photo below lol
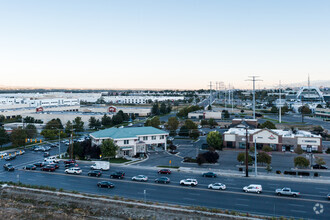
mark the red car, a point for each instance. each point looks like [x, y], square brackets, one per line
[164, 171]
[48, 168]
[69, 161]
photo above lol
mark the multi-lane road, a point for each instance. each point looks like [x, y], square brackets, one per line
[233, 198]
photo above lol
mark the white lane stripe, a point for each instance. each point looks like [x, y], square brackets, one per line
[242, 204]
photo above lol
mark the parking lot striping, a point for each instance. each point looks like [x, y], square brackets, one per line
[297, 205]
[178, 186]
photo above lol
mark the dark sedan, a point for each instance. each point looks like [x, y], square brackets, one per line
[30, 167]
[39, 164]
[69, 161]
[164, 171]
[320, 167]
[69, 165]
[117, 175]
[162, 180]
[209, 174]
[96, 173]
[105, 184]
[48, 168]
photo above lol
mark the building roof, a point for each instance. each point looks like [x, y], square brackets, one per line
[131, 132]
[283, 133]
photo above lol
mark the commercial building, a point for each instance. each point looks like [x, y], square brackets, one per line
[131, 141]
[323, 113]
[205, 115]
[278, 140]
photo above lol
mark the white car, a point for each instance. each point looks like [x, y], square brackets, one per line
[52, 159]
[253, 188]
[217, 186]
[3, 154]
[189, 182]
[130, 125]
[73, 170]
[141, 178]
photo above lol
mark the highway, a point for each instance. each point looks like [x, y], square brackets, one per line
[233, 198]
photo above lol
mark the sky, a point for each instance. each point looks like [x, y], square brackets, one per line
[168, 44]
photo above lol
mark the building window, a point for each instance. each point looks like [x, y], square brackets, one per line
[145, 138]
[162, 136]
[153, 137]
[126, 141]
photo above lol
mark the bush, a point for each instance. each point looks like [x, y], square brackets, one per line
[278, 172]
[298, 150]
[267, 148]
[290, 173]
[316, 174]
[301, 162]
[328, 151]
[303, 174]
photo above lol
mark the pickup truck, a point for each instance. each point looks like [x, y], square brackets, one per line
[286, 192]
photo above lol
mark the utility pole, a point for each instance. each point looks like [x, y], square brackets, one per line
[232, 100]
[210, 99]
[246, 153]
[280, 107]
[254, 79]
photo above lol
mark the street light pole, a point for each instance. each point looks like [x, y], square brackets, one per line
[255, 157]
[59, 143]
[246, 153]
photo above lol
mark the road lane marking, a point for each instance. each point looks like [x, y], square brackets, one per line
[293, 210]
[194, 194]
[191, 199]
[242, 199]
[151, 183]
[297, 205]
[242, 204]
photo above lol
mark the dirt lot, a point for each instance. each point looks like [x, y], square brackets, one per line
[21, 203]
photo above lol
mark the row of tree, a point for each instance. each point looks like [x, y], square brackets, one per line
[162, 109]
[18, 135]
[107, 121]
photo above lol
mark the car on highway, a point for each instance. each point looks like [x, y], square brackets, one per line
[164, 171]
[30, 167]
[209, 174]
[46, 154]
[39, 164]
[69, 165]
[69, 161]
[141, 178]
[9, 167]
[105, 184]
[286, 192]
[52, 164]
[117, 175]
[49, 168]
[165, 180]
[319, 167]
[253, 188]
[217, 186]
[96, 173]
[189, 182]
[73, 170]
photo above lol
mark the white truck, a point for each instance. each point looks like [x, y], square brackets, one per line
[101, 165]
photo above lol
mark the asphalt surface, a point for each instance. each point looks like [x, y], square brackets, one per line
[233, 198]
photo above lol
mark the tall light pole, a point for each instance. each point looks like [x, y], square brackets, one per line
[246, 153]
[255, 156]
[59, 143]
[280, 107]
[253, 79]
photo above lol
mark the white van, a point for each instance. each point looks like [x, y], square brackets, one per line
[253, 188]
[51, 159]
[101, 165]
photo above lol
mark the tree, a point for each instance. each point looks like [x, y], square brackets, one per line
[194, 133]
[273, 109]
[264, 158]
[266, 148]
[172, 147]
[155, 122]
[117, 119]
[190, 124]
[4, 137]
[318, 129]
[54, 124]
[49, 134]
[155, 109]
[204, 122]
[29, 119]
[251, 149]
[123, 115]
[78, 150]
[209, 107]
[78, 124]
[298, 150]
[301, 162]
[18, 136]
[225, 113]
[200, 159]
[31, 131]
[241, 158]
[169, 108]
[305, 110]
[163, 109]
[172, 123]
[211, 156]
[212, 122]
[68, 128]
[109, 149]
[92, 122]
[183, 131]
[106, 120]
[214, 139]
[268, 124]
[320, 161]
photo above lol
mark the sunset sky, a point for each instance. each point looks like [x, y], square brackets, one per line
[175, 44]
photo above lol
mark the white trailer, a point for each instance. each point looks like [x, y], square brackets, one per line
[101, 165]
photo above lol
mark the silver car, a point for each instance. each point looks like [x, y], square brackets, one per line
[217, 186]
[140, 178]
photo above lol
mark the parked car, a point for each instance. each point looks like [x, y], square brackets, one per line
[209, 174]
[162, 180]
[30, 167]
[96, 173]
[10, 157]
[47, 148]
[117, 175]
[69, 161]
[328, 196]
[9, 167]
[49, 168]
[73, 170]
[39, 164]
[20, 152]
[52, 159]
[253, 188]
[140, 178]
[52, 164]
[217, 186]
[320, 167]
[286, 192]
[46, 154]
[105, 184]
[3, 154]
[164, 171]
[189, 182]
